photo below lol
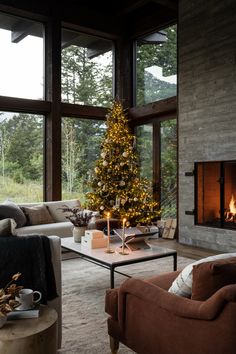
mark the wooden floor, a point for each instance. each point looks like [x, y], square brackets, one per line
[182, 250]
[185, 250]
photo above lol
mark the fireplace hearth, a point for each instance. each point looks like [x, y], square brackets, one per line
[215, 194]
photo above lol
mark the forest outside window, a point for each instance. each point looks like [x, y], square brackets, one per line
[144, 135]
[87, 69]
[21, 157]
[22, 58]
[81, 141]
[157, 149]
[156, 66]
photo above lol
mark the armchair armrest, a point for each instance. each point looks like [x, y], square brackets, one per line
[156, 298]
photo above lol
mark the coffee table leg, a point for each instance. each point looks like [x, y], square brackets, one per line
[175, 261]
[112, 281]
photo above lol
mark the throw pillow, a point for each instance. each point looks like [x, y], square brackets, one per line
[7, 227]
[211, 276]
[182, 285]
[11, 210]
[37, 215]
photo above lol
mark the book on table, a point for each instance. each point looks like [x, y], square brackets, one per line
[20, 314]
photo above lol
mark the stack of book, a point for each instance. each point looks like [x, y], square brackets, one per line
[19, 314]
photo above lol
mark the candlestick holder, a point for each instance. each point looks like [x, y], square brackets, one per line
[124, 251]
[108, 249]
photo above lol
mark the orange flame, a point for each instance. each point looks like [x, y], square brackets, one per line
[232, 207]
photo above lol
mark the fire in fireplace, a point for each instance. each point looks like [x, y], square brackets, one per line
[215, 194]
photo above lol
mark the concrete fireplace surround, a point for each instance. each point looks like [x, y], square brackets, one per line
[207, 105]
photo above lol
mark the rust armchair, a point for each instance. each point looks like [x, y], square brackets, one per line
[147, 318]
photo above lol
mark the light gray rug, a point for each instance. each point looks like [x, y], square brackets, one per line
[84, 285]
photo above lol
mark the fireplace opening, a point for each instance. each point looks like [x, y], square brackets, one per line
[215, 194]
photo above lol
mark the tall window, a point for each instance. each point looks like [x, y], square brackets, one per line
[168, 168]
[21, 157]
[156, 66]
[87, 69]
[157, 149]
[22, 58]
[144, 135]
[81, 139]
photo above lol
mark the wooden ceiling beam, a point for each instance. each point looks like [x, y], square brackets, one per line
[131, 6]
[173, 5]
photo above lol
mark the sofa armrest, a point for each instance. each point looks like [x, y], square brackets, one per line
[155, 298]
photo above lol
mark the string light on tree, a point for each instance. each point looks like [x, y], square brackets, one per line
[117, 169]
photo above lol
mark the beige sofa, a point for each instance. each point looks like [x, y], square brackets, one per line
[61, 227]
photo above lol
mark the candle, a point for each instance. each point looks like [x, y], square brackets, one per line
[108, 226]
[123, 235]
[108, 250]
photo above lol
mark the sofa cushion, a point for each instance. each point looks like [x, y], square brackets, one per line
[37, 215]
[182, 285]
[11, 210]
[211, 276]
[56, 211]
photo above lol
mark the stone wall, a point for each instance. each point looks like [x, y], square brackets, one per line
[207, 105]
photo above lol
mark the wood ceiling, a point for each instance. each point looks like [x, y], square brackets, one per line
[122, 17]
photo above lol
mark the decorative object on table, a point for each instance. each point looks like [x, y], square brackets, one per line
[80, 218]
[7, 298]
[108, 249]
[116, 183]
[135, 239]
[26, 298]
[123, 250]
[94, 239]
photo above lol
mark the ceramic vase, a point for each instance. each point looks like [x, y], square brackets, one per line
[3, 320]
[78, 232]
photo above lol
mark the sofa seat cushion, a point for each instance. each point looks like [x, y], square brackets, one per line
[182, 285]
[62, 229]
[211, 276]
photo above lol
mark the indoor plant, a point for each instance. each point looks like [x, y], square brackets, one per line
[80, 218]
[7, 298]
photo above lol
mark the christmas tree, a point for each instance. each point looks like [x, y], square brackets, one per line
[116, 184]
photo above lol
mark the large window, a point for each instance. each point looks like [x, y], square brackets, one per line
[144, 135]
[22, 58]
[21, 157]
[156, 66]
[168, 168]
[87, 69]
[81, 140]
[157, 149]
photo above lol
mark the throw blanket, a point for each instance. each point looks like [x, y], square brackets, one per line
[31, 256]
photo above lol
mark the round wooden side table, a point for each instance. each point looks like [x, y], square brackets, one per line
[30, 336]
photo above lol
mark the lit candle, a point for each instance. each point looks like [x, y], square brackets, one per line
[108, 249]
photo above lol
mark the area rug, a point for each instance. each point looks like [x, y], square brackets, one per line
[83, 285]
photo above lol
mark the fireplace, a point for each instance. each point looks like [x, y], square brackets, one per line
[215, 194]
